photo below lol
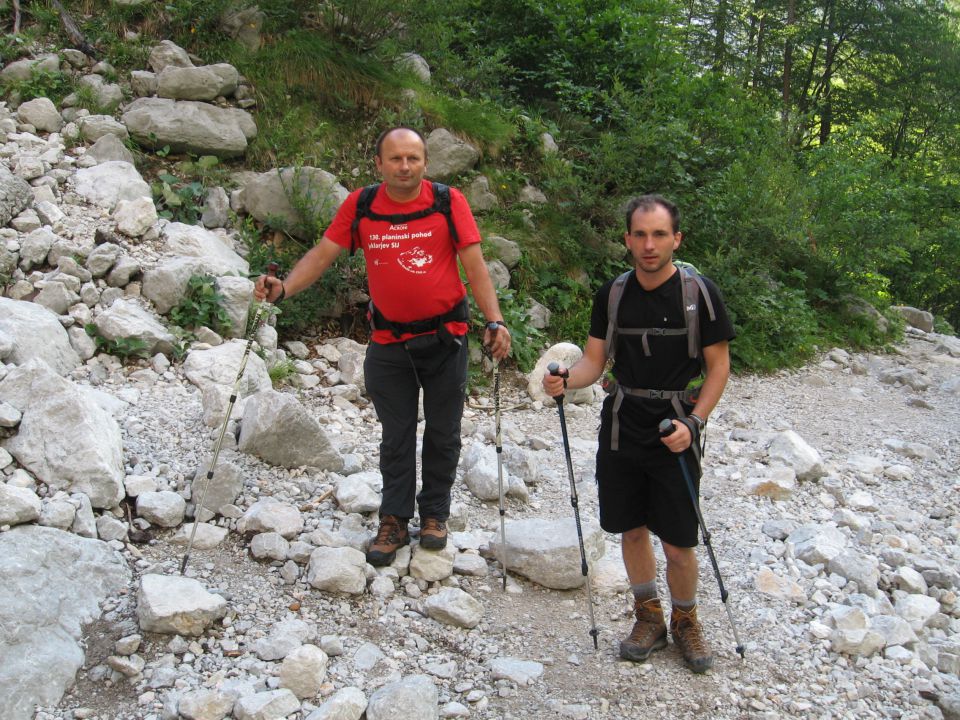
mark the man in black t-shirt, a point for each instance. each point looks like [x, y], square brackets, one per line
[641, 488]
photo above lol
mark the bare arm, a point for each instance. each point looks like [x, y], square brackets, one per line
[717, 359]
[485, 294]
[307, 271]
[584, 371]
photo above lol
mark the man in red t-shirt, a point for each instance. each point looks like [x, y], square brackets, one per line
[419, 335]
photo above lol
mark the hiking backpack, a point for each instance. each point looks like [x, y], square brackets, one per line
[692, 286]
[441, 204]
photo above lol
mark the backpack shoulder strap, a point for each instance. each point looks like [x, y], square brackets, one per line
[442, 204]
[364, 203]
[693, 288]
[613, 308]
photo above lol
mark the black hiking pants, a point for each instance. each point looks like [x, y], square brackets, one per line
[394, 377]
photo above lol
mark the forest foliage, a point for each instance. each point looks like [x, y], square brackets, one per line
[810, 144]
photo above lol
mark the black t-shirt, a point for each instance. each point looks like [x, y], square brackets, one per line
[669, 366]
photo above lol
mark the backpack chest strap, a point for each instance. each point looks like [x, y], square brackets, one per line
[646, 332]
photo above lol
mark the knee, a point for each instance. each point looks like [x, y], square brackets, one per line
[680, 557]
[638, 537]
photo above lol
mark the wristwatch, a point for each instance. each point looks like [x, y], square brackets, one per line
[699, 421]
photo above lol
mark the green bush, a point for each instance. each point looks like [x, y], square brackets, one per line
[775, 325]
[181, 197]
[42, 83]
[124, 348]
[201, 306]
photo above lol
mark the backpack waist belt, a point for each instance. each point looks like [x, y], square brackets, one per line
[458, 313]
[674, 396]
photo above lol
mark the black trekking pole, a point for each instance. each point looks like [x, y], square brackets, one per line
[258, 317]
[667, 428]
[493, 327]
[554, 369]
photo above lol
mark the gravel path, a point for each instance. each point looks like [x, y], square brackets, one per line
[843, 409]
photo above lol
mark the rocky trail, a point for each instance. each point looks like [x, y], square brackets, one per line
[894, 497]
[832, 492]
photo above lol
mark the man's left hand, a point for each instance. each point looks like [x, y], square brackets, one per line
[679, 440]
[497, 341]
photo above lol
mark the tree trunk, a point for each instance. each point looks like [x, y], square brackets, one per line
[788, 64]
[720, 36]
[829, 60]
[73, 32]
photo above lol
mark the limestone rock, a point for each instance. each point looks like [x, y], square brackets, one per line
[548, 551]
[40, 650]
[565, 354]
[175, 604]
[279, 430]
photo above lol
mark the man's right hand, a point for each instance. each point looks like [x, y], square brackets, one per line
[553, 384]
[268, 288]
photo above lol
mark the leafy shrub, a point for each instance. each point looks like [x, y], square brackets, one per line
[526, 341]
[42, 83]
[123, 347]
[776, 327]
[335, 297]
[181, 197]
[201, 305]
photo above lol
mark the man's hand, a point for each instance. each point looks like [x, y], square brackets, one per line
[268, 288]
[496, 338]
[679, 440]
[554, 385]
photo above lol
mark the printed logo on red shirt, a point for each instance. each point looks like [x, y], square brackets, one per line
[415, 261]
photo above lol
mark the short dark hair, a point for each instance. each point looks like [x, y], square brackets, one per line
[383, 136]
[650, 202]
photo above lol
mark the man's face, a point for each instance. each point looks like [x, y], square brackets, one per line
[651, 240]
[402, 163]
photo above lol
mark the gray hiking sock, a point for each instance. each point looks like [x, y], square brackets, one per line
[644, 591]
[684, 604]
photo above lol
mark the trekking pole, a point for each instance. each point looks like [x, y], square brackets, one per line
[493, 327]
[257, 319]
[666, 428]
[554, 369]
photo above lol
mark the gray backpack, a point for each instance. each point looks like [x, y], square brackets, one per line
[692, 288]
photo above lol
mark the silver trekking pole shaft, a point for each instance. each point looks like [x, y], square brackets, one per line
[554, 369]
[666, 428]
[257, 320]
[493, 327]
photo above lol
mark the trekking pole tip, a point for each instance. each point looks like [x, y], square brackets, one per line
[742, 652]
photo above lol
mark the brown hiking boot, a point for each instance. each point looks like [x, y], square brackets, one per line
[391, 536]
[649, 631]
[433, 534]
[688, 635]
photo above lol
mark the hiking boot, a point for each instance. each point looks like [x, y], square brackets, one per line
[649, 631]
[391, 536]
[433, 534]
[688, 636]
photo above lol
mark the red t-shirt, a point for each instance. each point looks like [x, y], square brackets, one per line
[411, 267]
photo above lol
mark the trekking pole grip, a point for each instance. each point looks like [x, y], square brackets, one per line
[666, 427]
[554, 369]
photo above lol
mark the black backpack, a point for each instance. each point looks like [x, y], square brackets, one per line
[441, 204]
